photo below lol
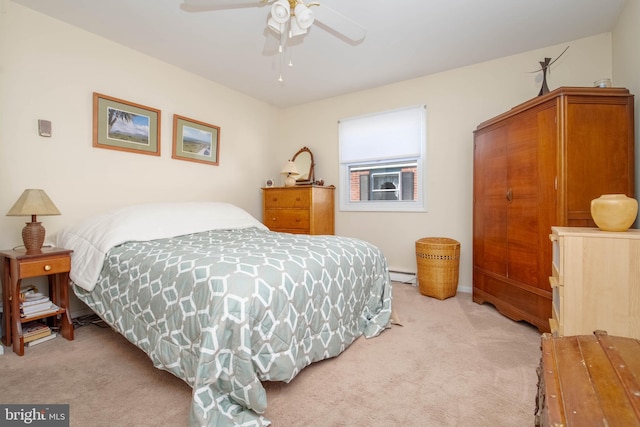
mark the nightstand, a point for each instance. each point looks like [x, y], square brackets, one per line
[55, 263]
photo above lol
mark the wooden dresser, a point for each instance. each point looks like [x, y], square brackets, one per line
[302, 209]
[536, 166]
[589, 380]
[595, 280]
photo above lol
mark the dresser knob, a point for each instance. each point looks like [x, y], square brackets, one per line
[47, 267]
[273, 219]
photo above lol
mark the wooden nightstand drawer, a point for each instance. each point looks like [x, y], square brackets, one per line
[277, 198]
[287, 218]
[44, 267]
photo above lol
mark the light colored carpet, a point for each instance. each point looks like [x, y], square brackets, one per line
[453, 363]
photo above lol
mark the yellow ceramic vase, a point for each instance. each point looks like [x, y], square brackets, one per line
[614, 212]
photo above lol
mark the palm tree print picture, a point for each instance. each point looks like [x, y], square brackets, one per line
[125, 126]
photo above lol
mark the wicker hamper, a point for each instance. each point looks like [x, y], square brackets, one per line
[438, 260]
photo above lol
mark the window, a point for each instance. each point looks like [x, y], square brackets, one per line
[382, 158]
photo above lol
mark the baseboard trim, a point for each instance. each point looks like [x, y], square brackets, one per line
[402, 276]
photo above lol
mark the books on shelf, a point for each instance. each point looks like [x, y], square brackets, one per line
[34, 303]
[35, 330]
[41, 340]
[30, 293]
[39, 310]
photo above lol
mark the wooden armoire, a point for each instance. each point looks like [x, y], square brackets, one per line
[536, 166]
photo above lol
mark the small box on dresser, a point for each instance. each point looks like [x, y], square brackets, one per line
[595, 281]
[302, 209]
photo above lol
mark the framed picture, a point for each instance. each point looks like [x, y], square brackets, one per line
[195, 141]
[125, 126]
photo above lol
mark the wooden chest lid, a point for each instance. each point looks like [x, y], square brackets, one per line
[590, 380]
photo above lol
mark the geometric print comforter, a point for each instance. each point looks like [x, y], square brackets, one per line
[225, 310]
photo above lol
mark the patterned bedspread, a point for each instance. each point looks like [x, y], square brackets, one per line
[227, 309]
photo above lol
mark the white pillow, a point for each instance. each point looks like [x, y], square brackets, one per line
[91, 239]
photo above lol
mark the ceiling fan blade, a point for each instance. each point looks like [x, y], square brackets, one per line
[338, 23]
[205, 5]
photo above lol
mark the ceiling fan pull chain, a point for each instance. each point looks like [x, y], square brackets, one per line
[282, 47]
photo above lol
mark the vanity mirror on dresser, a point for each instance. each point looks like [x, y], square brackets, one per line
[303, 160]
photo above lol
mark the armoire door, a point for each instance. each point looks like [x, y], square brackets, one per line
[490, 215]
[514, 206]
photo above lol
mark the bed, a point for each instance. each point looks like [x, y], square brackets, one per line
[214, 297]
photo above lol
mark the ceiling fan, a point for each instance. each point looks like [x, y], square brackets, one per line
[290, 18]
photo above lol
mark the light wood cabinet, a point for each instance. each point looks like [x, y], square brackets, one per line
[303, 209]
[595, 281]
[536, 166]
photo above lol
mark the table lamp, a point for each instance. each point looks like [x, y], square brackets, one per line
[290, 170]
[33, 202]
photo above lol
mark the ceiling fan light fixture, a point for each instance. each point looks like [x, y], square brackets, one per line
[304, 16]
[276, 26]
[296, 29]
[280, 11]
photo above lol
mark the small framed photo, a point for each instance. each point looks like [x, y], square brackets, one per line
[125, 126]
[270, 182]
[195, 141]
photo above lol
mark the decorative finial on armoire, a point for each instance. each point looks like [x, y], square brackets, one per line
[544, 66]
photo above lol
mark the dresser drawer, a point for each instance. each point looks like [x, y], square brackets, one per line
[305, 209]
[279, 219]
[44, 267]
[276, 198]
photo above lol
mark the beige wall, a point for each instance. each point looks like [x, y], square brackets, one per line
[49, 70]
[457, 101]
[626, 66]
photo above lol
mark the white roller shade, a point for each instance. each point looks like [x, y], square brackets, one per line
[387, 135]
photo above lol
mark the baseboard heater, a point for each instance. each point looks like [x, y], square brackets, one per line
[403, 276]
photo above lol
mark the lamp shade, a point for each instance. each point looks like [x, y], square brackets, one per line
[289, 170]
[33, 202]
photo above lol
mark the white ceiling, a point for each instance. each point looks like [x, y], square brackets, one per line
[405, 39]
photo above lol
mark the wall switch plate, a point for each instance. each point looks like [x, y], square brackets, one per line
[44, 127]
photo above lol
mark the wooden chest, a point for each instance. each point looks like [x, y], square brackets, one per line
[589, 380]
[303, 209]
